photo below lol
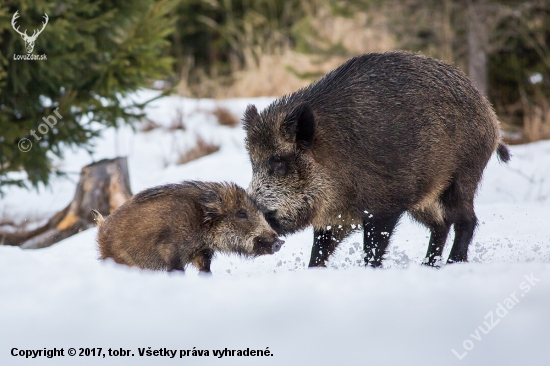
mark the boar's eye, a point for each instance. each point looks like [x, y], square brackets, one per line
[242, 214]
[277, 166]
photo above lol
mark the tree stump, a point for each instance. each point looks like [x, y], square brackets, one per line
[103, 186]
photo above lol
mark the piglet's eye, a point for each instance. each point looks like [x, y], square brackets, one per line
[242, 214]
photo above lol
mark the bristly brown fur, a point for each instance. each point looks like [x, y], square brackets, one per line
[170, 226]
[381, 135]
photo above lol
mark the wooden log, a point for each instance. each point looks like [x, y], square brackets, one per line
[103, 186]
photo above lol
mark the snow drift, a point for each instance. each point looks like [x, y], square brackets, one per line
[63, 297]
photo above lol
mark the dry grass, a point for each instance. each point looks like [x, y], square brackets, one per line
[270, 77]
[177, 121]
[536, 123]
[225, 118]
[148, 126]
[279, 71]
[536, 119]
[202, 148]
[359, 34]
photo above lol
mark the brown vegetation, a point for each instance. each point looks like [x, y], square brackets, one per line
[225, 117]
[275, 68]
[536, 119]
[177, 121]
[202, 148]
[148, 126]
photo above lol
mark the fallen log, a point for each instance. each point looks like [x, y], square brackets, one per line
[103, 186]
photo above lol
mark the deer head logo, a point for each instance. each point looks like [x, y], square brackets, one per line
[29, 41]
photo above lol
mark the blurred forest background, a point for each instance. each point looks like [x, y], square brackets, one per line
[99, 52]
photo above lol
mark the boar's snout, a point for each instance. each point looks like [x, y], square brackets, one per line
[267, 245]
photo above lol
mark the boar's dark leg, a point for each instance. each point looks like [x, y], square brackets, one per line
[202, 260]
[377, 232]
[464, 231]
[324, 244]
[459, 202]
[437, 243]
[439, 224]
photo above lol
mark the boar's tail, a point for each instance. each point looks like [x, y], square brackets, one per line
[98, 218]
[503, 153]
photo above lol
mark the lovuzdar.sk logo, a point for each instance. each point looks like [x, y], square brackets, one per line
[29, 40]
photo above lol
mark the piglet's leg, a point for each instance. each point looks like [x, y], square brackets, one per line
[171, 257]
[202, 260]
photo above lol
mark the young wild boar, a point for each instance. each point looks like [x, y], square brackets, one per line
[167, 227]
[381, 135]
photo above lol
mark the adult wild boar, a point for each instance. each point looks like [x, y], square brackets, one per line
[381, 135]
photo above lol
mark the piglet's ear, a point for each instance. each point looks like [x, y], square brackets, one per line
[299, 126]
[211, 204]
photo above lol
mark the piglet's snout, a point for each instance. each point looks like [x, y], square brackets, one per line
[277, 244]
[267, 245]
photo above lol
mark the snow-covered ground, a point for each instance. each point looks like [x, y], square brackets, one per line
[404, 314]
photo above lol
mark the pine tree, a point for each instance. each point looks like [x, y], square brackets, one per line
[98, 52]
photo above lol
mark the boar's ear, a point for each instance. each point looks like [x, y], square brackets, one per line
[211, 204]
[299, 126]
[250, 115]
